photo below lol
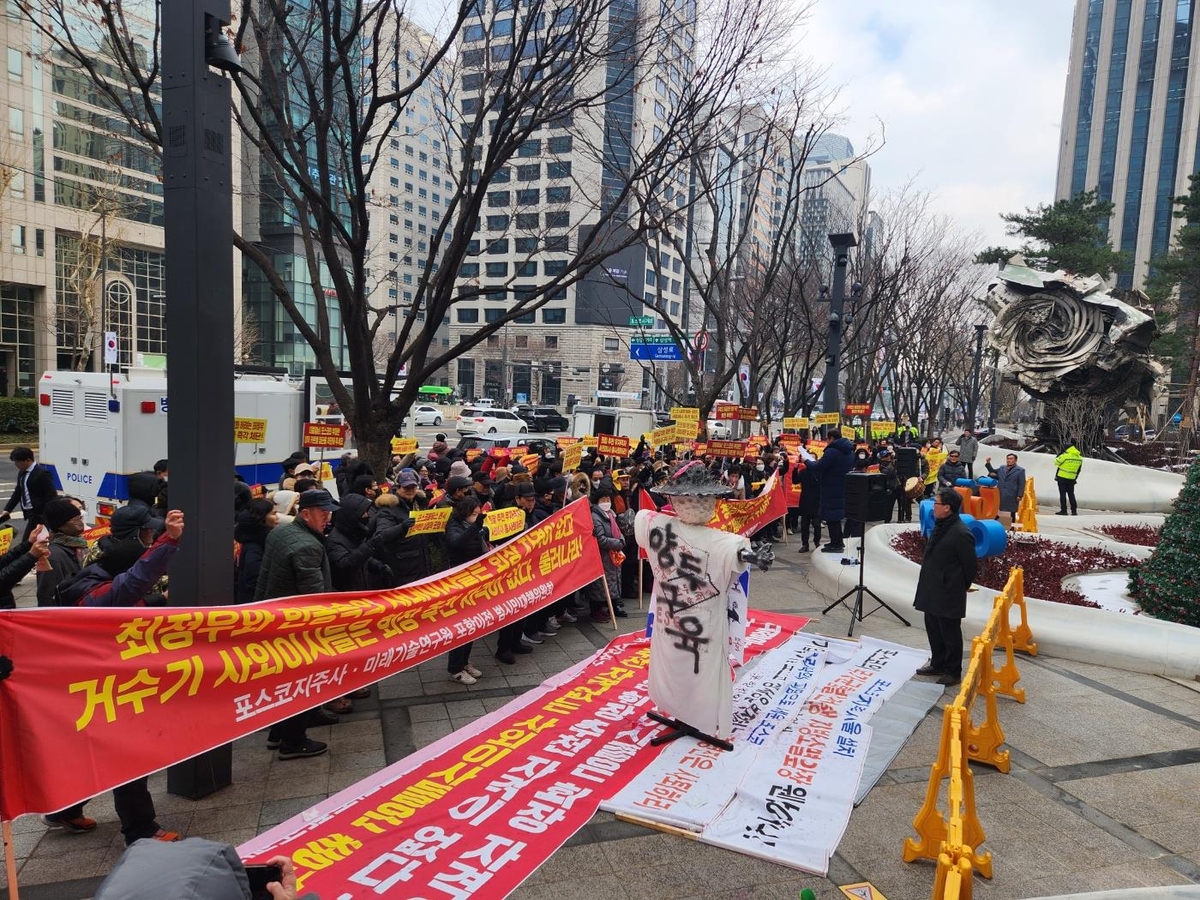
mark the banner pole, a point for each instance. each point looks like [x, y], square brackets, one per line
[612, 613]
[10, 858]
[641, 568]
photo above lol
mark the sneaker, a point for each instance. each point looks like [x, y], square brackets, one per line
[521, 650]
[506, 657]
[463, 677]
[170, 836]
[77, 825]
[568, 618]
[535, 638]
[551, 626]
[301, 751]
[472, 671]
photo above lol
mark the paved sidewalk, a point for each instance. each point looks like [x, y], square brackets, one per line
[1102, 794]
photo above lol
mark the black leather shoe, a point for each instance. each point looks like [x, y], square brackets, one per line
[928, 670]
[505, 657]
[620, 612]
[830, 548]
[949, 679]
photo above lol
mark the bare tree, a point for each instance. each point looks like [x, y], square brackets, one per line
[319, 116]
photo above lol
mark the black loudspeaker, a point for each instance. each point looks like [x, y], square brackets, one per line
[867, 497]
[908, 463]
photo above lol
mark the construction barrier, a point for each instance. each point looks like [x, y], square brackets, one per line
[952, 838]
[1027, 510]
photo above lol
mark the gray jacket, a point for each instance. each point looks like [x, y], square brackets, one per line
[968, 449]
[194, 868]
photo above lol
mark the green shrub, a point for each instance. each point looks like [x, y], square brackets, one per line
[1167, 585]
[18, 415]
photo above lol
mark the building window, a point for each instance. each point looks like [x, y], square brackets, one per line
[525, 244]
[497, 269]
[466, 377]
[558, 170]
[557, 243]
[468, 315]
[521, 342]
[527, 268]
[498, 246]
[502, 28]
[527, 221]
[497, 223]
[472, 33]
[554, 317]
[468, 270]
[493, 315]
[561, 144]
[529, 173]
[558, 219]
[502, 176]
[18, 239]
[554, 266]
[499, 198]
[531, 147]
[529, 197]
[551, 342]
[16, 64]
[611, 345]
[558, 195]
[16, 123]
[493, 340]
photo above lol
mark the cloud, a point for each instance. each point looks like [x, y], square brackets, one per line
[969, 95]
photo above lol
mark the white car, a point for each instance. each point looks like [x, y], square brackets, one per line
[481, 420]
[427, 415]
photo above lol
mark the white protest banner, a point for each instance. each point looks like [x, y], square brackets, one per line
[689, 783]
[795, 799]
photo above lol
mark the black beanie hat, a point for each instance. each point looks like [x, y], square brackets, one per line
[58, 513]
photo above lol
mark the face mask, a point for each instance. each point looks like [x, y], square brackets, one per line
[605, 505]
[760, 467]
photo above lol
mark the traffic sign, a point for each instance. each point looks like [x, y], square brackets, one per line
[641, 321]
[655, 352]
[658, 337]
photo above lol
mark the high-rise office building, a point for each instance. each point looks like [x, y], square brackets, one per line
[836, 196]
[81, 214]
[561, 183]
[1130, 119]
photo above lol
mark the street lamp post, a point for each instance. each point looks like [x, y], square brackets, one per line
[833, 354]
[973, 400]
[197, 192]
[995, 391]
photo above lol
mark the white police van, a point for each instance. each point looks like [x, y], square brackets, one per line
[96, 429]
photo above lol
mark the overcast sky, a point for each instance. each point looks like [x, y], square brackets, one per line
[970, 93]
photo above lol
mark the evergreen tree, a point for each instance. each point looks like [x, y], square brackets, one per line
[1070, 234]
[1167, 585]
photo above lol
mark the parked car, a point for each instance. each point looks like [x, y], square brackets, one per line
[662, 417]
[522, 409]
[545, 418]
[427, 415]
[721, 429]
[485, 402]
[1128, 432]
[482, 420]
[544, 447]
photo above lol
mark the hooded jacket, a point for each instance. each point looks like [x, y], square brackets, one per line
[98, 585]
[835, 463]
[409, 558]
[252, 536]
[352, 547]
[1068, 463]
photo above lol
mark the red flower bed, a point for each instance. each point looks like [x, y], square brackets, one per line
[1046, 564]
[1142, 535]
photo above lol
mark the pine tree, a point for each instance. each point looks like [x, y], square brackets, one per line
[1167, 585]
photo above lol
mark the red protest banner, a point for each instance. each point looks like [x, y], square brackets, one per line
[748, 413]
[133, 690]
[476, 813]
[318, 434]
[731, 449]
[857, 409]
[612, 445]
[745, 517]
[725, 413]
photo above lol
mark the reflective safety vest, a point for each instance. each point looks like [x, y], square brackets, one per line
[1069, 462]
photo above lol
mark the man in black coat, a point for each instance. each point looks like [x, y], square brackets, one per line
[835, 463]
[35, 488]
[947, 570]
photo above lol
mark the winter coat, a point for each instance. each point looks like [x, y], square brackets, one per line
[409, 558]
[294, 563]
[65, 563]
[252, 539]
[810, 490]
[950, 472]
[947, 570]
[195, 868]
[464, 540]
[352, 547]
[95, 586]
[609, 538]
[831, 469]
[1011, 482]
[968, 448]
[14, 565]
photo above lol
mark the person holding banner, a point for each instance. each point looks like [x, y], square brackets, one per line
[612, 553]
[466, 541]
[409, 558]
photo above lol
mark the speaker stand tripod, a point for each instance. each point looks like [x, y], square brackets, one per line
[856, 611]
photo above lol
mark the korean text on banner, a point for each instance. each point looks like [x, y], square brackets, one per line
[133, 690]
[572, 456]
[612, 445]
[857, 409]
[402, 446]
[428, 521]
[249, 431]
[748, 413]
[745, 517]
[685, 413]
[730, 449]
[562, 443]
[319, 434]
[795, 423]
[827, 418]
[479, 811]
[661, 436]
[504, 523]
[725, 413]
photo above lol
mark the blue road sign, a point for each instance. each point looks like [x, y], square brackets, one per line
[655, 352]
